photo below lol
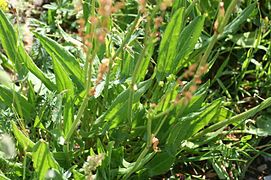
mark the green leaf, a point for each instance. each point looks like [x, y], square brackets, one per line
[68, 38]
[3, 177]
[220, 171]
[24, 141]
[198, 98]
[13, 99]
[263, 125]
[8, 37]
[64, 85]
[77, 175]
[32, 67]
[17, 53]
[67, 60]
[186, 43]
[182, 130]
[177, 46]
[43, 159]
[167, 49]
[117, 112]
[245, 40]
[63, 81]
[68, 115]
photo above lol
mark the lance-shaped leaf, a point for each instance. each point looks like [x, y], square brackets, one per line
[17, 54]
[43, 160]
[67, 60]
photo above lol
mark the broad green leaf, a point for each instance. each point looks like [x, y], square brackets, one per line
[8, 37]
[169, 43]
[130, 57]
[13, 99]
[24, 141]
[38, 123]
[77, 175]
[178, 132]
[31, 66]
[63, 81]
[17, 53]
[67, 60]
[263, 125]
[64, 85]
[198, 98]
[169, 96]
[43, 159]
[3, 177]
[179, 44]
[186, 44]
[142, 66]
[237, 118]
[245, 40]
[68, 38]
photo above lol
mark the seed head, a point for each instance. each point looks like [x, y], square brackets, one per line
[155, 143]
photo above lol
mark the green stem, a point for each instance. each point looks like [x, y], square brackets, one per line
[147, 42]
[90, 58]
[214, 38]
[141, 157]
[78, 118]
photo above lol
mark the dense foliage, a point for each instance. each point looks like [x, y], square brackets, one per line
[102, 89]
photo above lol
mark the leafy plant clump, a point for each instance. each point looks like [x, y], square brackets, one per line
[134, 89]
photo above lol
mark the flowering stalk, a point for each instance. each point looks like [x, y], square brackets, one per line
[219, 25]
[148, 42]
[88, 68]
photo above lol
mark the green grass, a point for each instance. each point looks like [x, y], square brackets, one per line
[143, 92]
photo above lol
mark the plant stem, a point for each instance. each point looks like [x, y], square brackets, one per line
[214, 38]
[141, 157]
[78, 118]
[148, 40]
[89, 61]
